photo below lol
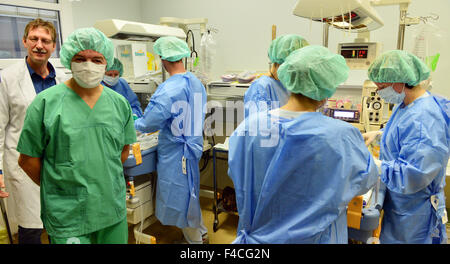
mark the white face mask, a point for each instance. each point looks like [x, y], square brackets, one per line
[111, 81]
[88, 74]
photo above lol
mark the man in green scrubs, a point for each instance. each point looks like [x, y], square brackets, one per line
[76, 136]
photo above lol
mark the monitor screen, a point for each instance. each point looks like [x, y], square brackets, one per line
[344, 114]
[354, 53]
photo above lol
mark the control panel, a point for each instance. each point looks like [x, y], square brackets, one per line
[372, 105]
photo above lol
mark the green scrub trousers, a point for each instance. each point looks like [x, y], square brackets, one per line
[115, 234]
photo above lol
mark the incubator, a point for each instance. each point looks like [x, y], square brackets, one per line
[134, 59]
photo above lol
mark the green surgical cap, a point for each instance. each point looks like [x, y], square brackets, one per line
[313, 71]
[86, 39]
[117, 66]
[282, 46]
[171, 48]
[398, 66]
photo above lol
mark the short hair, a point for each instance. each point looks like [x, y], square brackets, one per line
[40, 23]
[174, 61]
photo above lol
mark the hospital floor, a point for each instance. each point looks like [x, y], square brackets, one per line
[224, 235]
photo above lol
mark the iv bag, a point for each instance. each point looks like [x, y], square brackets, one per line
[427, 44]
[207, 54]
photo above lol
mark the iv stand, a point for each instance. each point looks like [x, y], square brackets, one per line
[402, 26]
[326, 30]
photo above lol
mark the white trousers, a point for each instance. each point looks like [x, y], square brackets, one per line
[194, 235]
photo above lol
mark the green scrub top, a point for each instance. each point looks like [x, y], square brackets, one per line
[82, 182]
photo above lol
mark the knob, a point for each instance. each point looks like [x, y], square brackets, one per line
[376, 105]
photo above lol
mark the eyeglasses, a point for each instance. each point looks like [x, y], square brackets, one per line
[384, 85]
[34, 40]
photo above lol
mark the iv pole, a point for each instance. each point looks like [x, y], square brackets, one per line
[326, 30]
[402, 26]
[403, 21]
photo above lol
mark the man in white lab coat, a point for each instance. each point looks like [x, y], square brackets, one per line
[19, 84]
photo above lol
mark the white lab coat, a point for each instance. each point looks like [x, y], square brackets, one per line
[16, 93]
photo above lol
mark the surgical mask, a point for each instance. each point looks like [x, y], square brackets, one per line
[88, 74]
[111, 81]
[389, 95]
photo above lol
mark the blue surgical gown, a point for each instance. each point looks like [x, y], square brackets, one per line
[265, 90]
[295, 177]
[414, 154]
[177, 109]
[124, 89]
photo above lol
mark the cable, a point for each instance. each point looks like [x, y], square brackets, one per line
[205, 158]
[193, 51]
[193, 40]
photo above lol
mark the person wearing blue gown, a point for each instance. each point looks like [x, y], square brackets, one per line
[294, 169]
[114, 81]
[267, 92]
[414, 151]
[177, 110]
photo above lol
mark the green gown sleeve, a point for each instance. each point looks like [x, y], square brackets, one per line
[32, 138]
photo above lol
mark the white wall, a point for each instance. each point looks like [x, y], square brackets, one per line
[87, 12]
[245, 29]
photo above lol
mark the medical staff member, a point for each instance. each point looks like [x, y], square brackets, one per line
[19, 84]
[177, 110]
[114, 81]
[75, 137]
[268, 92]
[414, 151]
[294, 169]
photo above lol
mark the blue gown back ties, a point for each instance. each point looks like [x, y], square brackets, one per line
[267, 90]
[177, 109]
[294, 178]
[415, 152]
